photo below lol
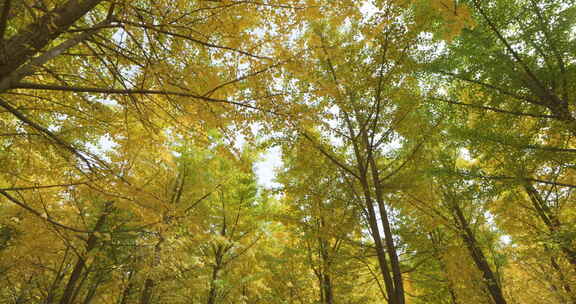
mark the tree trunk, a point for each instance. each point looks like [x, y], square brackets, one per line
[388, 237]
[325, 279]
[81, 263]
[22, 46]
[150, 283]
[82, 281]
[57, 279]
[380, 253]
[213, 288]
[328, 291]
[92, 292]
[398, 294]
[480, 261]
[127, 289]
[551, 221]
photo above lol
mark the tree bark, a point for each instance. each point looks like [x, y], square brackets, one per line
[325, 279]
[551, 221]
[215, 274]
[150, 282]
[69, 291]
[380, 253]
[23, 45]
[389, 238]
[127, 289]
[490, 279]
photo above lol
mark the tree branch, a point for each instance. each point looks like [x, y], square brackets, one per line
[523, 179]
[45, 131]
[41, 187]
[39, 61]
[38, 214]
[40, 33]
[206, 44]
[36, 86]
[492, 109]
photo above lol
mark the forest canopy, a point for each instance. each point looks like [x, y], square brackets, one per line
[427, 151]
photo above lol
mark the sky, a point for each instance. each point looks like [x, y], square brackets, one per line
[264, 169]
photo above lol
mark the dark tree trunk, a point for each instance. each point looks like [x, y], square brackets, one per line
[127, 289]
[551, 221]
[380, 253]
[325, 279]
[69, 291]
[398, 294]
[22, 46]
[150, 283]
[490, 279]
[213, 288]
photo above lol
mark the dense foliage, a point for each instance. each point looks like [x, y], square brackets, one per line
[427, 151]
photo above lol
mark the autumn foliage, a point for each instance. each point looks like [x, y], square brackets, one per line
[427, 151]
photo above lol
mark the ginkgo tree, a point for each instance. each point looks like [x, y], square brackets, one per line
[364, 97]
[81, 76]
[513, 110]
[427, 151]
[326, 220]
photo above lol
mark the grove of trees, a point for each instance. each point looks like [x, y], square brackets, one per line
[428, 151]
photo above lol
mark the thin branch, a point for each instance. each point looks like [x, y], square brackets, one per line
[328, 155]
[553, 48]
[45, 131]
[490, 86]
[520, 179]
[35, 86]
[206, 44]
[255, 73]
[493, 109]
[41, 187]
[38, 214]
[544, 92]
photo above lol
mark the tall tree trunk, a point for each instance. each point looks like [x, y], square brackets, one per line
[82, 281]
[92, 291]
[24, 44]
[328, 291]
[389, 238]
[551, 221]
[219, 252]
[58, 278]
[147, 292]
[213, 293]
[380, 253]
[81, 263]
[326, 281]
[398, 283]
[490, 279]
[127, 289]
[149, 283]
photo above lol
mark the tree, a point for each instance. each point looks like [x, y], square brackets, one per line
[86, 76]
[369, 116]
[427, 151]
[325, 219]
[513, 114]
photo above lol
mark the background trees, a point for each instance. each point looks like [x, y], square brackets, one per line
[427, 148]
